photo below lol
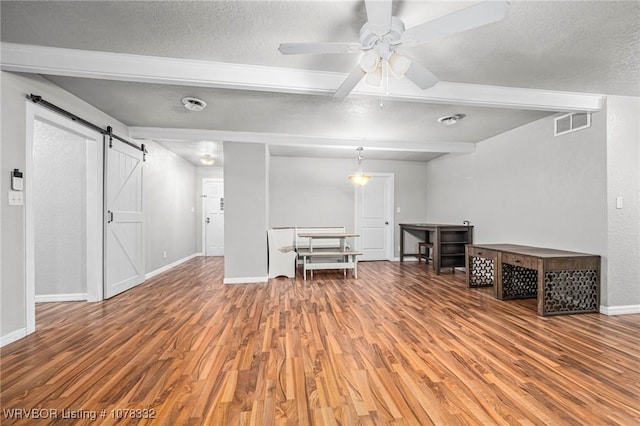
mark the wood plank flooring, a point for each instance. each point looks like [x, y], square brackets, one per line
[397, 346]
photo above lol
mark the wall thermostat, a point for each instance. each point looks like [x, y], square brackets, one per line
[16, 180]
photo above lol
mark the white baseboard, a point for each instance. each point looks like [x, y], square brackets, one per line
[620, 310]
[171, 265]
[12, 337]
[245, 280]
[69, 297]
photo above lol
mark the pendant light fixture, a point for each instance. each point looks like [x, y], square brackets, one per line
[359, 178]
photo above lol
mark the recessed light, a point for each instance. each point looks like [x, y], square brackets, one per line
[193, 104]
[207, 160]
[450, 120]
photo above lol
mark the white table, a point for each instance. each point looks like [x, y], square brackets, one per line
[323, 258]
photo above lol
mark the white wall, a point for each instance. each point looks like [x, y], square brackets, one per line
[60, 207]
[623, 180]
[317, 191]
[169, 208]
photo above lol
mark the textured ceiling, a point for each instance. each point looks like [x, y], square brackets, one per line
[581, 46]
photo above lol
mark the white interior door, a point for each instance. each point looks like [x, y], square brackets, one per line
[213, 202]
[374, 217]
[124, 243]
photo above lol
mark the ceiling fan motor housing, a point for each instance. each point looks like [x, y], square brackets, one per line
[369, 40]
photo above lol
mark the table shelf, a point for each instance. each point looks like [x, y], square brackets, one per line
[343, 258]
[448, 242]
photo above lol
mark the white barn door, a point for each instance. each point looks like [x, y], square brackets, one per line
[374, 217]
[124, 244]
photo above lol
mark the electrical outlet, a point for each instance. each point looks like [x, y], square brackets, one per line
[16, 198]
[164, 254]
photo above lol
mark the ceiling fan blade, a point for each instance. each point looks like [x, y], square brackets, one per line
[352, 81]
[462, 20]
[318, 48]
[420, 76]
[379, 16]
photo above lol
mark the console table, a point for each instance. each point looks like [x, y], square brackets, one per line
[448, 242]
[563, 282]
[339, 258]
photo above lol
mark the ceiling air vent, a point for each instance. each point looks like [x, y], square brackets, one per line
[571, 122]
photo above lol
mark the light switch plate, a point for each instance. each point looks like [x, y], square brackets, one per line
[16, 198]
[618, 202]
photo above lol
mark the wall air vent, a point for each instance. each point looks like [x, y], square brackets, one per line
[571, 122]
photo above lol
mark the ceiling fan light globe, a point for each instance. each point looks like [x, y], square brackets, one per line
[374, 79]
[399, 64]
[369, 61]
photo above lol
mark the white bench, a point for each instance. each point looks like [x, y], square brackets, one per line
[286, 245]
[329, 259]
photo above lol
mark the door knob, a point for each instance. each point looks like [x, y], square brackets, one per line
[386, 222]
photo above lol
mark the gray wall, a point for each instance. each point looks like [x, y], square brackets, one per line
[528, 187]
[60, 210]
[169, 193]
[623, 180]
[13, 106]
[245, 216]
[317, 192]
[169, 207]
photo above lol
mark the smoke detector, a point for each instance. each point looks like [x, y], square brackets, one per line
[450, 120]
[193, 104]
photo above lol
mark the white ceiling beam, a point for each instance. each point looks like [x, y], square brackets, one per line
[186, 72]
[281, 139]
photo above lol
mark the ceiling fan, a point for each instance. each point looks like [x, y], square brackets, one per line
[382, 34]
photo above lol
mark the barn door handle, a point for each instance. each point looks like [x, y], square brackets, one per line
[109, 216]
[208, 220]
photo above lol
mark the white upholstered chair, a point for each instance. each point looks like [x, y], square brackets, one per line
[282, 254]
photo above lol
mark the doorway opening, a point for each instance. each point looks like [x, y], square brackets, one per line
[63, 211]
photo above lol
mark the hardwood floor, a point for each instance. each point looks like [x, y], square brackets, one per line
[398, 345]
